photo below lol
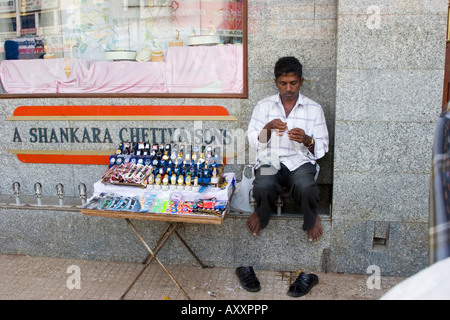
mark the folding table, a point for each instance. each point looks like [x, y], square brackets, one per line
[174, 221]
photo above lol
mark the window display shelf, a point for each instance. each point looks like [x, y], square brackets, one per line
[211, 69]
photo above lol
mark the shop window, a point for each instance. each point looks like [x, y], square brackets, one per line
[183, 48]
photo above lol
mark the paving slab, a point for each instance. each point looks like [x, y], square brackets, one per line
[51, 278]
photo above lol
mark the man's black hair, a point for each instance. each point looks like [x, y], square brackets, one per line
[287, 65]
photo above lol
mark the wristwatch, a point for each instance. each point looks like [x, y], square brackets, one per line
[311, 144]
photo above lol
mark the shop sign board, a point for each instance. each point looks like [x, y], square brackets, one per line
[39, 136]
[36, 5]
[7, 6]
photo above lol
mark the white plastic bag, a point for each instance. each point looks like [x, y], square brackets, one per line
[270, 159]
[241, 198]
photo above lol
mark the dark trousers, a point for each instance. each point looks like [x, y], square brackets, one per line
[302, 187]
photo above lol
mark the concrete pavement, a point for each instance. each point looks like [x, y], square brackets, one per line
[50, 278]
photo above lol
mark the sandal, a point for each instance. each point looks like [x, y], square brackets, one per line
[303, 284]
[248, 279]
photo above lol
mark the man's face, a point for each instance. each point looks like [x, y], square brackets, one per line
[289, 86]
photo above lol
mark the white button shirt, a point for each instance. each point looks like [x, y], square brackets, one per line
[306, 114]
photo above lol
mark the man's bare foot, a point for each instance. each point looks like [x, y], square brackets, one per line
[253, 223]
[315, 232]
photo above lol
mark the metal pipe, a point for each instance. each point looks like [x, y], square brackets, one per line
[16, 189]
[60, 194]
[38, 192]
[83, 193]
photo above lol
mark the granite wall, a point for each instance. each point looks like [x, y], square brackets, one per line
[375, 66]
[305, 29]
[390, 58]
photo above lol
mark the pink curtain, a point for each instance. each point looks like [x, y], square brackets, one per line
[205, 69]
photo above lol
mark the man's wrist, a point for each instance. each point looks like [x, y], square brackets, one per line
[309, 142]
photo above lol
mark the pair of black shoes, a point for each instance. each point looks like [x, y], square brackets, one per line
[301, 286]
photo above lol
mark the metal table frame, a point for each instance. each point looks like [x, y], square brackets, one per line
[174, 221]
[171, 229]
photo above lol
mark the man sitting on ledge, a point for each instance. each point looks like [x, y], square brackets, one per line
[292, 128]
[289, 133]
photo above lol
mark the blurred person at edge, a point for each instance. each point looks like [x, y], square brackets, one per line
[433, 282]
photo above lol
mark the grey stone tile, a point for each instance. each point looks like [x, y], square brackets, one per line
[381, 196]
[404, 7]
[388, 95]
[399, 43]
[354, 251]
[383, 147]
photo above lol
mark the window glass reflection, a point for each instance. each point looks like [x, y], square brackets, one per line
[126, 46]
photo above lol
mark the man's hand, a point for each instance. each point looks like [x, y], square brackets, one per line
[299, 135]
[275, 124]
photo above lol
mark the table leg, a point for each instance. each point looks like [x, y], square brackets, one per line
[157, 242]
[158, 246]
[191, 251]
[182, 241]
[168, 234]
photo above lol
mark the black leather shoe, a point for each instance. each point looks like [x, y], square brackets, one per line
[303, 284]
[248, 279]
